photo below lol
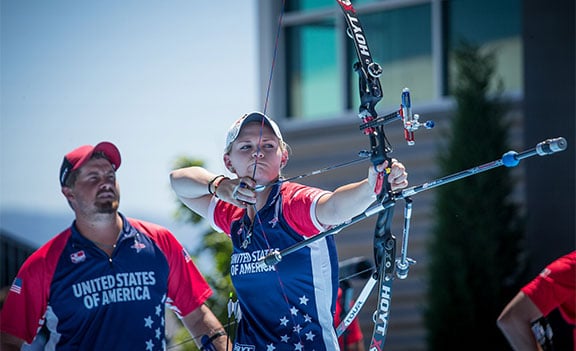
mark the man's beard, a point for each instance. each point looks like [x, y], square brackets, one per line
[107, 206]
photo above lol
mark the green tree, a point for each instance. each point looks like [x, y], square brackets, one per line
[475, 247]
[215, 247]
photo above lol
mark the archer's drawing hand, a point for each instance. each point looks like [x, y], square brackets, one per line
[239, 192]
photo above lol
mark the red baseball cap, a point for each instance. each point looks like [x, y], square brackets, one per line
[77, 157]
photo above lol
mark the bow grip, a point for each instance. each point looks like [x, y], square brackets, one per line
[378, 156]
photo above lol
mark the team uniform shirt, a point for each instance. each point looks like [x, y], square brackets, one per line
[71, 295]
[289, 306]
[555, 287]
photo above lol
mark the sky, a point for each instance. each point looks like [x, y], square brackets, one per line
[160, 79]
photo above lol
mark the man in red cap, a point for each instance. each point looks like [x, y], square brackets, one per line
[103, 283]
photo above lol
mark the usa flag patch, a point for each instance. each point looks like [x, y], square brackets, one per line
[78, 256]
[186, 256]
[16, 286]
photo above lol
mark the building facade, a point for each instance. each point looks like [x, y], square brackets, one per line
[314, 97]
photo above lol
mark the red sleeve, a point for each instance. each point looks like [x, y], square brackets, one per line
[223, 214]
[299, 208]
[555, 287]
[187, 288]
[27, 299]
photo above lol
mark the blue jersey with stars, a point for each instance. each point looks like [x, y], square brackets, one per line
[86, 300]
[289, 306]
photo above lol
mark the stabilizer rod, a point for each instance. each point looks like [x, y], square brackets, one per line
[509, 159]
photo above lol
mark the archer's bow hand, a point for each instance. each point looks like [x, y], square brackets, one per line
[397, 175]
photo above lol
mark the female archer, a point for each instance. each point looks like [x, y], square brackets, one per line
[290, 305]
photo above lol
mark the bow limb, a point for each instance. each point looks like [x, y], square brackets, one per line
[384, 242]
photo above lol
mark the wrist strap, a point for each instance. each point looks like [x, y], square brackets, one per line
[207, 341]
[213, 182]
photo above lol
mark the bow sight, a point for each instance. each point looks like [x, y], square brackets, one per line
[411, 122]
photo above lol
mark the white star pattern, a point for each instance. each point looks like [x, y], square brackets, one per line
[149, 345]
[294, 328]
[158, 310]
[158, 333]
[138, 246]
[294, 311]
[148, 322]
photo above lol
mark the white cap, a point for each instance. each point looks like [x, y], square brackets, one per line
[250, 117]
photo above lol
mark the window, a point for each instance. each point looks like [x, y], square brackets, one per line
[306, 5]
[320, 81]
[400, 42]
[492, 25]
[313, 83]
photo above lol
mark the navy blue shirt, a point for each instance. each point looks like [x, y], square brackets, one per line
[289, 306]
[87, 300]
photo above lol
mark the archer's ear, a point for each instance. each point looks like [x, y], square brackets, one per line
[284, 159]
[228, 163]
[67, 192]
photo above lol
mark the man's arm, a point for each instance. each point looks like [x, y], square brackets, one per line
[202, 322]
[515, 323]
[355, 346]
[9, 342]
